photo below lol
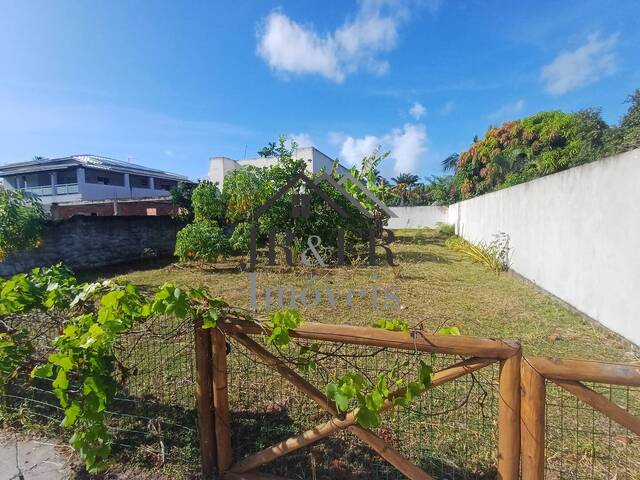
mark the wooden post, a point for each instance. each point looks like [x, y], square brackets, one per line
[532, 422]
[509, 419]
[221, 400]
[205, 400]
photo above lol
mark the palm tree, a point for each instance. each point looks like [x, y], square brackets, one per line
[449, 163]
[404, 183]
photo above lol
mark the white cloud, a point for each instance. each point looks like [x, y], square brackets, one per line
[585, 65]
[302, 140]
[407, 146]
[289, 47]
[417, 111]
[286, 46]
[353, 150]
[508, 110]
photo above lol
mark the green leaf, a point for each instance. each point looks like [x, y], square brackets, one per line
[210, 318]
[394, 325]
[61, 360]
[61, 382]
[368, 418]
[70, 416]
[425, 374]
[342, 401]
[42, 371]
[449, 331]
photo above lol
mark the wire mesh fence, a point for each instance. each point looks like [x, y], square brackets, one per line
[152, 418]
[450, 432]
[584, 444]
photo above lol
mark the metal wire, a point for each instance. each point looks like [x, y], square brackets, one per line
[152, 418]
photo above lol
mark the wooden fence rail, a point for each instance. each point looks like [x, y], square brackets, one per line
[521, 395]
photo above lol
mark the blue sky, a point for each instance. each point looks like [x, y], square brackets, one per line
[169, 84]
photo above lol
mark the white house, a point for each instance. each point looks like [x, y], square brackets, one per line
[314, 158]
[87, 177]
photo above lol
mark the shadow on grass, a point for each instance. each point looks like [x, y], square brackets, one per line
[338, 457]
[146, 435]
[125, 268]
[420, 257]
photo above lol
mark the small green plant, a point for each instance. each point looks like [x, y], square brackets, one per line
[280, 324]
[495, 255]
[446, 229]
[352, 390]
[393, 325]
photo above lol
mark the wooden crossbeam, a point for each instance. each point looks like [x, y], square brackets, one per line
[586, 371]
[335, 424]
[602, 404]
[367, 436]
[376, 337]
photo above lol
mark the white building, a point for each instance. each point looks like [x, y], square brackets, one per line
[87, 177]
[314, 158]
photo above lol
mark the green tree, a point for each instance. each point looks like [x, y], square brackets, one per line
[404, 184]
[449, 163]
[181, 198]
[209, 203]
[21, 220]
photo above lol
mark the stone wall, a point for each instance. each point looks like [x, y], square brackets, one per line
[83, 243]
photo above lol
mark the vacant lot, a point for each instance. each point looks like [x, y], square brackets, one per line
[437, 288]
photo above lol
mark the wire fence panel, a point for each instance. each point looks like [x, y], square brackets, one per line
[450, 432]
[152, 418]
[582, 443]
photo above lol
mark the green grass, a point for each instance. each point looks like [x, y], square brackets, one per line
[437, 287]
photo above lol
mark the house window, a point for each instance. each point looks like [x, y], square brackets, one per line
[65, 177]
[104, 178]
[152, 211]
[162, 184]
[138, 181]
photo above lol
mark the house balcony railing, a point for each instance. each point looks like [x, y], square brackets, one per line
[66, 188]
[48, 190]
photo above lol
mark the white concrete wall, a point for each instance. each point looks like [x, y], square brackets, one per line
[575, 233]
[418, 217]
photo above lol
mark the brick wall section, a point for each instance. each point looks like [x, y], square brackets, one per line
[83, 243]
[106, 209]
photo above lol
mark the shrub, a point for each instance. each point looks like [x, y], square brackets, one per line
[239, 240]
[181, 197]
[203, 241]
[21, 221]
[494, 255]
[209, 203]
[446, 229]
